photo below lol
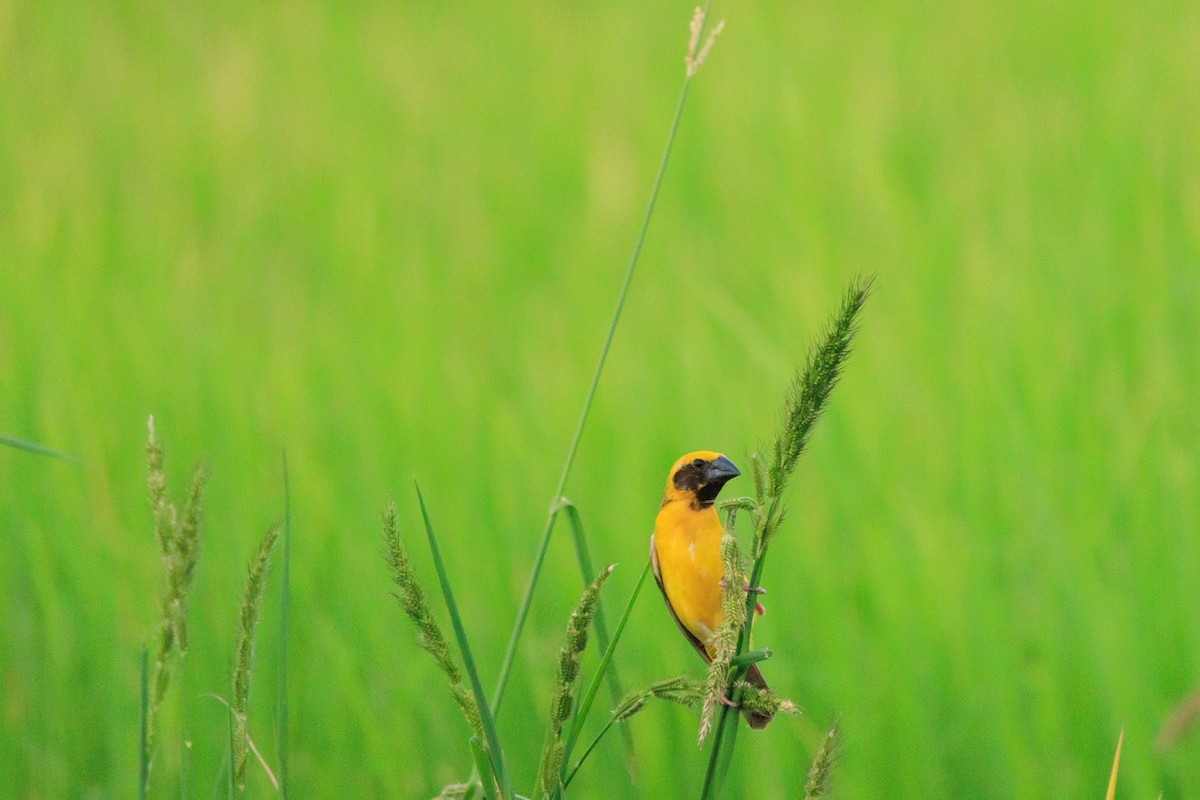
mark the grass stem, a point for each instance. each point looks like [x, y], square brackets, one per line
[281, 702]
[544, 542]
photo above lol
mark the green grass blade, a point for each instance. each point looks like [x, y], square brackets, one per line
[143, 750]
[281, 702]
[544, 543]
[485, 713]
[594, 687]
[483, 764]
[34, 447]
[600, 624]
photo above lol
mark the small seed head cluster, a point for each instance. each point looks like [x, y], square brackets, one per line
[763, 701]
[429, 634]
[817, 784]
[251, 604]
[680, 689]
[695, 53]
[178, 543]
[563, 699]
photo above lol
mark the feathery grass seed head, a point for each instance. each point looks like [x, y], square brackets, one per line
[429, 635]
[809, 391]
[817, 784]
[248, 615]
[695, 53]
[563, 699]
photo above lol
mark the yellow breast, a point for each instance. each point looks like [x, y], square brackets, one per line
[687, 542]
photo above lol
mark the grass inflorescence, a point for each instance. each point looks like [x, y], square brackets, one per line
[429, 634]
[805, 400]
[248, 614]
[817, 783]
[179, 546]
[563, 699]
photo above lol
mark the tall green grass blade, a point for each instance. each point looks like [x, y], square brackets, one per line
[485, 712]
[281, 701]
[483, 765]
[34, 447]
[143, 749]
[544, 542]
[601, 626]
[589, 697]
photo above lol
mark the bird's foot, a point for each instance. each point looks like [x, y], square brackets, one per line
[745, 587]
[726, 701]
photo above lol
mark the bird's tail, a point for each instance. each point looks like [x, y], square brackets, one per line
[754, 678]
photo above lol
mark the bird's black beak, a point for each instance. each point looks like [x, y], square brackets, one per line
[720, 470]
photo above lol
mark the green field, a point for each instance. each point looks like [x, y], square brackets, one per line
[387, 238]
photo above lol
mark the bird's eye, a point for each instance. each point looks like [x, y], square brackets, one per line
[699, 462]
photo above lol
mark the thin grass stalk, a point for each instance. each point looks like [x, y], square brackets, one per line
[602, 638]
[544, 542]
[143, 742]
[485, 714]
[281, 699]
[679, 690]
[229, 749]
[185, 740]
[39, 449]
[248, 616]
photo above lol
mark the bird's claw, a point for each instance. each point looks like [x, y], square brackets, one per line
[726, 701]
[745, 587]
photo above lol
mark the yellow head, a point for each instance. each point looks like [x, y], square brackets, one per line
[698, 477]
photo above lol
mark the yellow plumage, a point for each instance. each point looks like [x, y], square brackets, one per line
[685, 551]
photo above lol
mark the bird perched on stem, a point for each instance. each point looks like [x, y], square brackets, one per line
[685, 553]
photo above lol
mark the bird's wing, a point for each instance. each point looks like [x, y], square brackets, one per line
[691, 637]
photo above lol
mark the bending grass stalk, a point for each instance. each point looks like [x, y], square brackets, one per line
[600, 624]
[248, 616]
[281, 698]
[679, 690]
[544, 543]
[485, 714]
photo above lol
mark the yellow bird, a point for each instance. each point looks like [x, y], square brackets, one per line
[685, 553]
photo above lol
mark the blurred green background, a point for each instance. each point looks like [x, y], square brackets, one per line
[386, 237]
